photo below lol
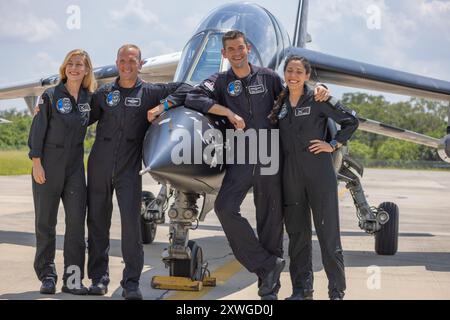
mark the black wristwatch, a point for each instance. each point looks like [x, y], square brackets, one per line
[334, 144]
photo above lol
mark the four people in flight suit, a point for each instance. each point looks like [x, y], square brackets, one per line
[245, 95]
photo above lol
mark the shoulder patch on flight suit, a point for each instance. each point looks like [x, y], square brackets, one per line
[256, 89]
[234, 88]
[337, 104]
[64, 105]
[283, 112]
[113, 98]
[302, 111]
[209, 85]
[132, 102]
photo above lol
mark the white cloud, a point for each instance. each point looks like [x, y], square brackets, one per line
[29, 27]
[156, 48]
[45, 65]
[134, 12]
[405, 40]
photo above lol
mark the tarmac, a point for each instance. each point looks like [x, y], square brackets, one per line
[419, 270]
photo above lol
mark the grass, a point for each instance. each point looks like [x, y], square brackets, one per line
[14, 162]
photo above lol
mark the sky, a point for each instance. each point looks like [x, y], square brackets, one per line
[408, 35]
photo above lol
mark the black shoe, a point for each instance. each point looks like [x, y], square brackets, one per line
[132, 294]
[337, 295]
[98, 289]
[81, 291]
[272, 296]
[48, 286]
[302, 295]
[270, 281]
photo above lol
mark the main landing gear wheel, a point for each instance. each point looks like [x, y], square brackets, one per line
[386, 240]
[148, 228]
[189, 268]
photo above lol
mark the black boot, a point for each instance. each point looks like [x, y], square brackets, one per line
[48, 286]
[270, 281]
[81, 291]
[336, 294]
[132, 294]
[98, 289]
[301, 295]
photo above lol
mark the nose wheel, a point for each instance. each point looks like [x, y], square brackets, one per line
[189, 268]
[386, 240]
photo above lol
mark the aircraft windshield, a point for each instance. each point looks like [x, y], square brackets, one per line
[202, 57]
[188, 57]
[210, 59]
[245, 17]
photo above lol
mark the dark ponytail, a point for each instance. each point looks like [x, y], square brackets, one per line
[273, 116]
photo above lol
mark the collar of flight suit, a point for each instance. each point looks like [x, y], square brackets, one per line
[138, 84]
[62, 88]
[253, 70]
[307, 94]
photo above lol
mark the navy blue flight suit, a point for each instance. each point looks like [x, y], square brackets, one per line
[309, 181]
[114, 164]
[252, 98]
[56, 136]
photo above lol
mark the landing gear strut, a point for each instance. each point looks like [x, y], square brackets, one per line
[381, 221]
[184, 257]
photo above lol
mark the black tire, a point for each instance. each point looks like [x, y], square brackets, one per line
[148, 229]
[189, 268]
[386, 240]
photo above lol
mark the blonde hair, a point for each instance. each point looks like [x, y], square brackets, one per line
[89, 81]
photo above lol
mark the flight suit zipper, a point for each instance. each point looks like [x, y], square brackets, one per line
[119, 140]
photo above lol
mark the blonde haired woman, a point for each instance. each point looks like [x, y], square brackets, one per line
[56, 149]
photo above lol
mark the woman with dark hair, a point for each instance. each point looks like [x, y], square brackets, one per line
[309, 179]
[56, 148]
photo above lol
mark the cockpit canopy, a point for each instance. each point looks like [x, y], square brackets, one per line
[202, 55]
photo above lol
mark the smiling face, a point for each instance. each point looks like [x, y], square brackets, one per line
[295, 75]
[129, 64]
[236, 51]
[76, 68]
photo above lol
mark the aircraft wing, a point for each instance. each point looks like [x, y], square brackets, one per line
[373, 126]
[4, 121]
[155, 69]
[351, 73]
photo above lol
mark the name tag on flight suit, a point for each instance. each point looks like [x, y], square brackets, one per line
[256, 89]
[133, 102]
[302, 111]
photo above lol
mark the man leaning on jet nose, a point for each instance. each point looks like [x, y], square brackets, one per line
[122, 109]
[245, 95]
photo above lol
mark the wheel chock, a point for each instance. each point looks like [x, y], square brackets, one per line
[181, 283]
[209, 282]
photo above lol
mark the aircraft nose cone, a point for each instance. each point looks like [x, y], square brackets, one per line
[173, 151]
